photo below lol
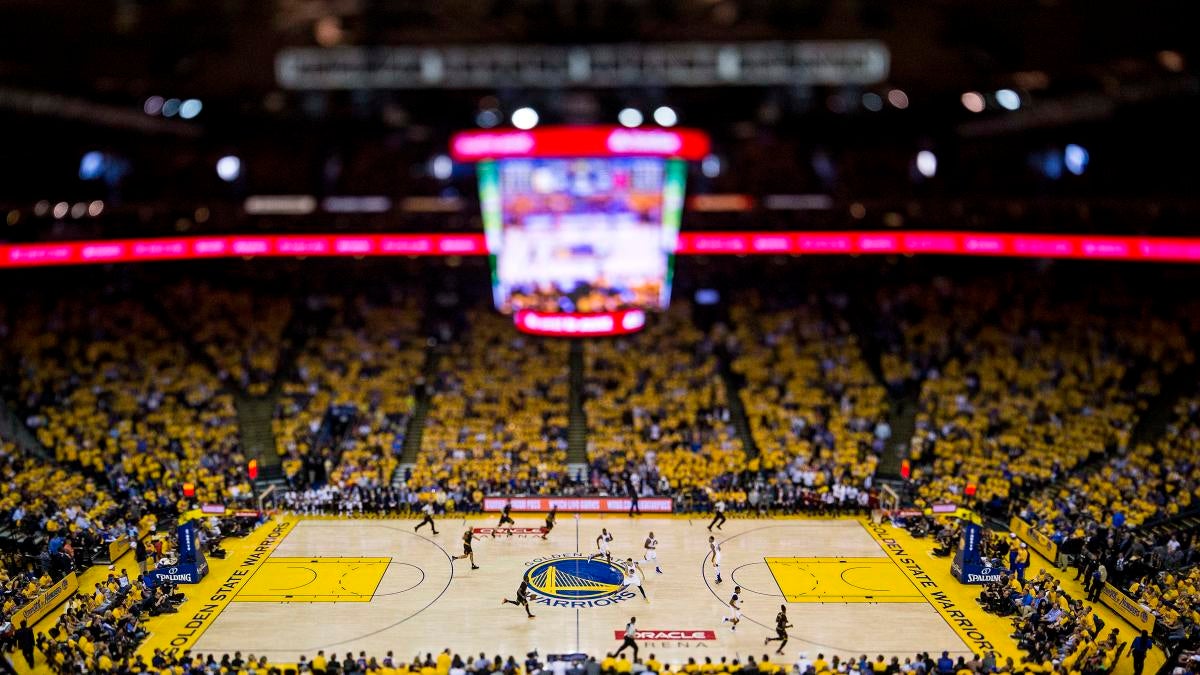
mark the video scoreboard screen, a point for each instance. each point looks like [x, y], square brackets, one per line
[581, 234]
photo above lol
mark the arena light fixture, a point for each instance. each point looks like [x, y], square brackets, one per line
[927, 163]
[487, 118]
[91, 165]
[630, 117]
[664, 116]
[973, 101]
[524, 118]
[441, 167]
[1075, 159]
[1008, 99]
[153, 105]
[229, 168]
[190, 108]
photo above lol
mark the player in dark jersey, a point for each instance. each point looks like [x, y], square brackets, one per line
[735, 609]
[550, 517]
[468, 552]
[522, 598]
[505, 517]
[781, 626]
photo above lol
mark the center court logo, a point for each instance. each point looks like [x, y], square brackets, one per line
[571, 580]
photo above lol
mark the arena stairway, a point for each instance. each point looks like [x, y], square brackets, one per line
[902, 403]
[422, 394]
[734, 383]
[12, 429]
[577, 430]
[1152, 423]
[902, 418]
[255, 430]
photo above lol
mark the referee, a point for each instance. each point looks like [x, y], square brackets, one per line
[427, 509]
[630, 632]
[633, 496]
[718, 515]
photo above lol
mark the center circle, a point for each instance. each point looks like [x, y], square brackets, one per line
[575, 578]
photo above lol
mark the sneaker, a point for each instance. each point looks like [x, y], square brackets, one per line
[474, 567]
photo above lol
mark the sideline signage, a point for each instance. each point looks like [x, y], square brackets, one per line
[49, 599]
[1139, 616]
[1038, 541]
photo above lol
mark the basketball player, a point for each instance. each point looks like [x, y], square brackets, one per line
[630, 633]
[718, 515]
[550, 517]
[427, 509]
[781, 626]
[630, 572]
[468, 552]
[714, 549]
[735, 609]
[602, 543]
[651, 554]
[522, 598]
[505, 517]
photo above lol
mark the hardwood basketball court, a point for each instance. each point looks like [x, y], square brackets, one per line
[303, 584]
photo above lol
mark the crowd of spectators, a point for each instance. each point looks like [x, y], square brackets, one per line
[498, 414]
[128, 419]
[1106, 523]
[343, 414]
[815, 409]
[101, 628]
[242, 332]
[1016, 392]
[657, 411]
[1018, 387]
[1058, 632]
[1086, 653]
[108, 391]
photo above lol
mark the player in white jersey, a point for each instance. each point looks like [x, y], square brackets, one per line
[602, 543]
[714, 550]
[630, 571]
[735, 609]
[651, 554]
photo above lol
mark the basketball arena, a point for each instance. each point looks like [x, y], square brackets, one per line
[618, 337]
